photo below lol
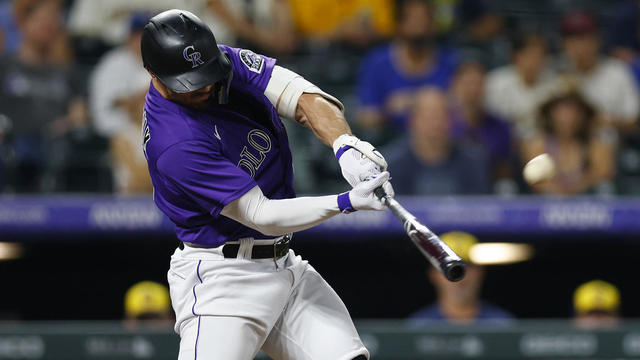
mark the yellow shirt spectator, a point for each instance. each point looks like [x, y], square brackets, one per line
[325, 18]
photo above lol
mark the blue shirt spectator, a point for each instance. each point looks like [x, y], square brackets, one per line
[486, 312]
[428, 162]
[390, 75]
[385, 86]
[9, 31]
[464, 171]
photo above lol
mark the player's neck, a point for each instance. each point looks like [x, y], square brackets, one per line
[160, 88]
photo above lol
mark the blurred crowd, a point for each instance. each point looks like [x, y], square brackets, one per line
[457, 94]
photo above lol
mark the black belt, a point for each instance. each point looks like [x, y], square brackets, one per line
[276, 250]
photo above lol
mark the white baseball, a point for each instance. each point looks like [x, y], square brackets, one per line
[539, 169]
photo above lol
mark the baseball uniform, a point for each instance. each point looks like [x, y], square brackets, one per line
[200, 161]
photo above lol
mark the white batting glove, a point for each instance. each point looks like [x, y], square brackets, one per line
[361, 197]
[358, 159]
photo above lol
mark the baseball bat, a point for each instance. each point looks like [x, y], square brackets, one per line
[435, 250]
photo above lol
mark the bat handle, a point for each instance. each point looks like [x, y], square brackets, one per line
[380, 193]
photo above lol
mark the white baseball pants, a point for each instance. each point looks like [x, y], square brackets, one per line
[228, 309]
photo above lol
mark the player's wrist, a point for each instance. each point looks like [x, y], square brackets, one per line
[344, 203]
[343, 143]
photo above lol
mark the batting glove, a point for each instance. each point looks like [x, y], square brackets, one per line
[358, 159]
[361, 197]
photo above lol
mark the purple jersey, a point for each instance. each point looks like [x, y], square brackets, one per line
[201, 160]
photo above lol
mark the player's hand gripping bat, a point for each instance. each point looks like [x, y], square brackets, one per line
[435, 250]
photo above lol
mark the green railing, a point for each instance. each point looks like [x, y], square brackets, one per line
[386, 340]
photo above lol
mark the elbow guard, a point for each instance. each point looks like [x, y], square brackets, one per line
[285, 88]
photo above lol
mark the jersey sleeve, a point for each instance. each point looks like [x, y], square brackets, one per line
[203, 175]
[249, 68]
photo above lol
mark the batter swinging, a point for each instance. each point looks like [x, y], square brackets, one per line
[220, 163]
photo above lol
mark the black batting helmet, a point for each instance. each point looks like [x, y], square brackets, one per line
[181, 51]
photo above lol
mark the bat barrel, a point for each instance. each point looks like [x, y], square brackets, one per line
[435, 250]
[453, 270]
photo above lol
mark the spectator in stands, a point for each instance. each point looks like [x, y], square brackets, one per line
[10, 37]
[596, 304]
[460, 302]
[516, 91]
[445, 18]
[472, 122]
[605, 82]
[480, 35]
[1, 41]
[623, 34]
[37, 91]
[111, 81]
[356, 22]
[390, 76]
[266, 24]
[130, 171]
[148, 303]
[5, 127]
[583, 155]
[428, 162]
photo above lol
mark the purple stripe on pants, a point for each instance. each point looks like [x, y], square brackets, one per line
[193, 309]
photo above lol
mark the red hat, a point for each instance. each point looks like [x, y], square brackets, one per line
[579, 23]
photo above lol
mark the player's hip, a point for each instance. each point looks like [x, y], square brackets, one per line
[204, 282]
[248, 248]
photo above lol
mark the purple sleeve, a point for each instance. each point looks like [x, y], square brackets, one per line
[249, 68]
[204, 175]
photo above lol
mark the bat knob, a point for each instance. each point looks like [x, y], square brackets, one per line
[454, 270]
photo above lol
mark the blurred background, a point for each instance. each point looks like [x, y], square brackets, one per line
[457, 94]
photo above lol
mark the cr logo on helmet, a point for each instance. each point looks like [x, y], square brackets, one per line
[193, 56]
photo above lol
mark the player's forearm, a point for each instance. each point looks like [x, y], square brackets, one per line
[323, 117]
[278, 217]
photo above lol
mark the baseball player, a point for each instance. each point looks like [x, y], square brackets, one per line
[220, 162]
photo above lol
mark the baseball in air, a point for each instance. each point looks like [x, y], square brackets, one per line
[539, 169]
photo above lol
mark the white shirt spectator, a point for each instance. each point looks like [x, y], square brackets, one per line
[610, 87]
[109, 19]
[510, 97]
[117, 75]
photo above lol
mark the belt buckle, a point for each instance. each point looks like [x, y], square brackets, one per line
[286, 239]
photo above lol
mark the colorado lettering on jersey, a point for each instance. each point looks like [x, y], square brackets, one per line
[260, 143]
[146, 135]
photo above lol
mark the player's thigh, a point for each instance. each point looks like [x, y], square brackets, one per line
[220, 337]
[314, 325]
